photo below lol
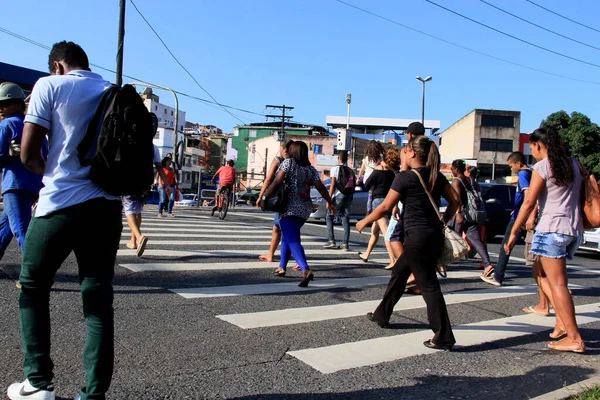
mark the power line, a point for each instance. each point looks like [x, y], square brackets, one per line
[539, 26]
[562, 16]
[512, 36]
[206, 101]
[465, 47]
[178, 62]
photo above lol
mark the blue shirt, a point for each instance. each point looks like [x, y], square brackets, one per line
[14, 174]
[65, 105]
[524, 177]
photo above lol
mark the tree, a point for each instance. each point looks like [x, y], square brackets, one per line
[581, 136]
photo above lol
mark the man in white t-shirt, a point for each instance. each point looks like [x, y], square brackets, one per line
[72, 215]
[342, 201]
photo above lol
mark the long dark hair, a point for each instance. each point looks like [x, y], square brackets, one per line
[299, 152]
[560, 162]
[427, 152]
[374, 151]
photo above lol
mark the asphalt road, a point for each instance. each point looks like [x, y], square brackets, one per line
[181, 333]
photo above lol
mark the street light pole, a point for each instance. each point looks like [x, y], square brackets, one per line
[423, 97]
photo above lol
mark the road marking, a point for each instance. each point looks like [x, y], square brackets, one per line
[391, 348]
[337, 228]
[263, 235]
[194, 225]
[582, 269]
[200, 228]
[303, 315]
[221, 243]
[223, 266]
[223, 253]
[269, 288]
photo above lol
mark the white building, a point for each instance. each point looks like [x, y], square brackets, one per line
[165, 138]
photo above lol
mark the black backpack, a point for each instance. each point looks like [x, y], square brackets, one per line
[118, 143]
[346, 181]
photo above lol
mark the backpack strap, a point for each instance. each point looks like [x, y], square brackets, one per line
[437, 211]
[84, 147]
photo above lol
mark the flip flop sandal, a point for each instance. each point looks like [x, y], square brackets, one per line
[367, 260]
[488, 273]
[297, 268]
[131, 246]
[142, 246]
[531, 310]
[575, 347]
[263, 258]
[279, 272]
[559, 335]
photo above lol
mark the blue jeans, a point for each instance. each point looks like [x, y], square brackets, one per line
[342, 205]
[290, 242]
[503, 257]
[15, 218]
[162, 204]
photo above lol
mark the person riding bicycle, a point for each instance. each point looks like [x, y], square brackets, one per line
[226, 175]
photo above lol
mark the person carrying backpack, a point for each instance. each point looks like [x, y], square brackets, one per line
[343, 183]
[472, 212]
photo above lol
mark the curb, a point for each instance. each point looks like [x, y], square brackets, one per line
[571, 390]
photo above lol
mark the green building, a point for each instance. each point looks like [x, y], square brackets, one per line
[244, 135]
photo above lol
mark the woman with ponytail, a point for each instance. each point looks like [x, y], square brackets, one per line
[423, 237]
[556, 188]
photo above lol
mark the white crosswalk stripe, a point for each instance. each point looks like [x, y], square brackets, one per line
[197, 237]
[375, 351]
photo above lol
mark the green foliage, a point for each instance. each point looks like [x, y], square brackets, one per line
[589, 394]
[581, 136]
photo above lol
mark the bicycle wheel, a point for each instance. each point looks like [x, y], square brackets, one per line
[224, 207]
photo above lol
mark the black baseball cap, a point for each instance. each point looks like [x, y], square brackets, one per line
[416, 129]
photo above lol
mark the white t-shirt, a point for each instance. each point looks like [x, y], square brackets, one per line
[334, 173]
[65, 104]
[369, 167]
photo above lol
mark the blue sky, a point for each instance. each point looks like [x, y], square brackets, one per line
[310, 53]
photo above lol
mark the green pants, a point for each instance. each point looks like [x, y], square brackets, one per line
[91, 230]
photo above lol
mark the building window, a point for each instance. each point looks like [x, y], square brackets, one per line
[335, 150]
[252, 173]
[155, 108]
[253, 148]
[165, 110]
[317, 148]
[252, 133]
[171, 112]
[501, 145]
[504, 121]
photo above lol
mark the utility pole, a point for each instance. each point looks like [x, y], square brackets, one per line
[283, 117]
[266, 166]
[120, 44]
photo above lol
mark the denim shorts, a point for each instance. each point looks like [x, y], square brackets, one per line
[555, 245]
[132, 204]
[376, 202]
[276, 220]
[395, 232]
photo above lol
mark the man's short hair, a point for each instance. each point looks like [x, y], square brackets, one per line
[517, 156]
[343, 156]
[415, 128]
[70, 53]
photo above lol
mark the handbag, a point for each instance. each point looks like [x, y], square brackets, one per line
[454, 246]
[590, 199]
[278, 201]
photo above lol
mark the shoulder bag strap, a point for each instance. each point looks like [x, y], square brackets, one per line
[429, 195]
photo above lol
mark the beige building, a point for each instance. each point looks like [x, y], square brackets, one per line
[488, 136]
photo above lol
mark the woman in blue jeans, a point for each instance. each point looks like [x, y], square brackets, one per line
[556, 187]
[298, 176]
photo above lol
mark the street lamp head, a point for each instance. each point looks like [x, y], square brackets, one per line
[419, 78]
[428, 79]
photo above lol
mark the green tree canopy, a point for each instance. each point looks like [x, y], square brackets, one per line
[581, 136]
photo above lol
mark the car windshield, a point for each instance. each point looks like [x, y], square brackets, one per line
[188, 196]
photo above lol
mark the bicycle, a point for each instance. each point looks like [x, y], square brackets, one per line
[223, 202]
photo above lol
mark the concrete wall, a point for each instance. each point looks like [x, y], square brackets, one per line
[496, 132]
[458, 139]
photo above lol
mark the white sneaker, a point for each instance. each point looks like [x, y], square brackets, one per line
[24, 391]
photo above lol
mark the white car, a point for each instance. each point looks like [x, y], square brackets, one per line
[188, 200]
[591, 240]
